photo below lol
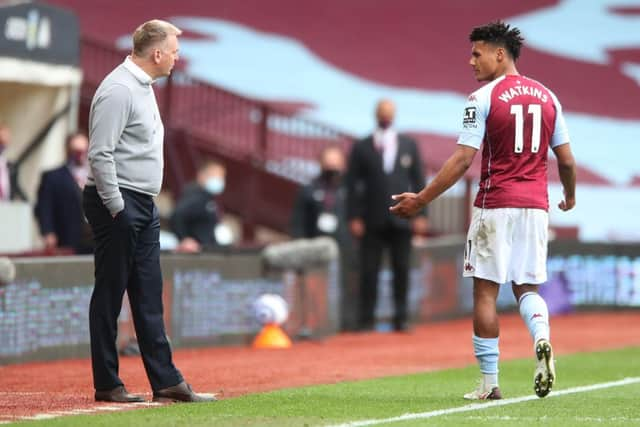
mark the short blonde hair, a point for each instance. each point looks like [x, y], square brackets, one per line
[150, 33]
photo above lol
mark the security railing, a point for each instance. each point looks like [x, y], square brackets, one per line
[268, 147]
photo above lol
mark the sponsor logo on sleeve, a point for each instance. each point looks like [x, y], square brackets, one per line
[469, 120]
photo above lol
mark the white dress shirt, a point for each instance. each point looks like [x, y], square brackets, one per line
[386, 140]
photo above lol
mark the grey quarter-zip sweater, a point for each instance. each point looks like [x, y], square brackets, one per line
[125, 136]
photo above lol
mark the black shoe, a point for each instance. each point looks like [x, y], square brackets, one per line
[180, 393]
[117, 395]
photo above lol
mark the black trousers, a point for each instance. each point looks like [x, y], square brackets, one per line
[127, 257]
[373, 243]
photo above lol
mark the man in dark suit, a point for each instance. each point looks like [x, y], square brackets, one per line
[59, 205]
[379, 166]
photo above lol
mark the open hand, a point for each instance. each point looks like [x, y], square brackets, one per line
[408, 205]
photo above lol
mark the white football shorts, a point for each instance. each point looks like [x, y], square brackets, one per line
[507, 245]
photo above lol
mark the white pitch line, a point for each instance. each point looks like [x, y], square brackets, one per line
[486, 405]
[37, 417]
[108, 407]
[80, 411]
[76, 412]
[149, 403]
[545, 418]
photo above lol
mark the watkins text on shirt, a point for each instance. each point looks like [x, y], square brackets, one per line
[515, 91]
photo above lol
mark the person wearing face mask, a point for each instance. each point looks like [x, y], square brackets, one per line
[59, 204]
[320, 210]
[5, 180]
[197, 214]
[381, 165]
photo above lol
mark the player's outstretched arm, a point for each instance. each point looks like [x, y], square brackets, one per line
[409, 204]
[567, 172]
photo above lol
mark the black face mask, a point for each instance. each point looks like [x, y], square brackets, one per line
[331, 175]
[77, 157]
[384, 124]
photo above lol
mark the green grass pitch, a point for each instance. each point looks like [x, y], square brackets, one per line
[389, 397]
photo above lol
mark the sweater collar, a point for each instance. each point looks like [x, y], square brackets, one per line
[137, 72]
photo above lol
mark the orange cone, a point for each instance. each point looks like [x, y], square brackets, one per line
[271, 336]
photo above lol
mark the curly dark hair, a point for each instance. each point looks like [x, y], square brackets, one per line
[500, 34]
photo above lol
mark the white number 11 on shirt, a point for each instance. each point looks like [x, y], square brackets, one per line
[536, 111]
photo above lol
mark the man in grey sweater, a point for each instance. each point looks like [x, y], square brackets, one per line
[125, 156]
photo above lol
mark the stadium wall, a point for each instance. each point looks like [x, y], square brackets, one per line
[44, 312]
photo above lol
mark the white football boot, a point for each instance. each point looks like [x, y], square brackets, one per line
[484, 392]
[545, 373]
